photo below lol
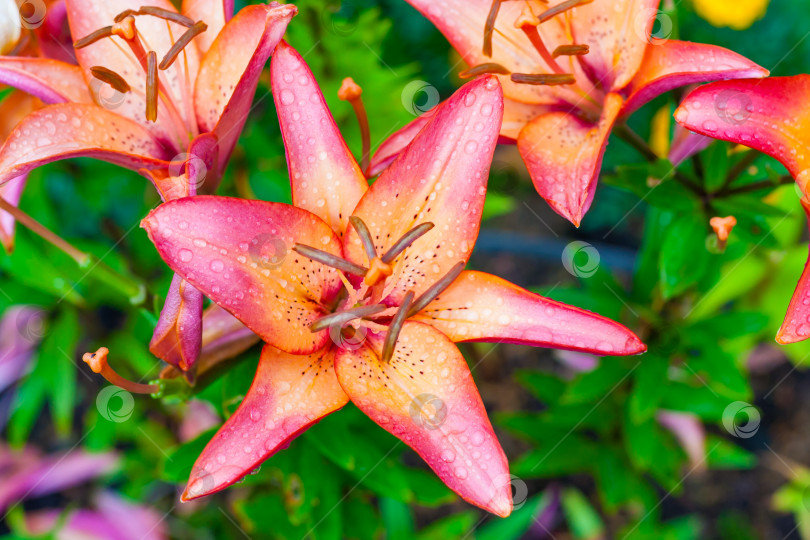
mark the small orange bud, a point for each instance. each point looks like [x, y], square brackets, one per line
[723, 226]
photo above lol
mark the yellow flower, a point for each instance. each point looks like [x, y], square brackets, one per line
[10, 25]
[738, 14]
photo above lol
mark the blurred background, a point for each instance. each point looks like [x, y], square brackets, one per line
[705, 436]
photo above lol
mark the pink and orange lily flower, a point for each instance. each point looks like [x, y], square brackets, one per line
[157, 91]
[359, 292]
[769, 115]
[570, 72]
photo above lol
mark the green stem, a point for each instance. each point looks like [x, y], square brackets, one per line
[747, 160]
[756, 186]
[135, 291]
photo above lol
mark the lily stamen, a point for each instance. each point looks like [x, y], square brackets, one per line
[151, 86]
[330, 260]
[167, 15]
[405, 242]
[346, 316]
[194, 31]
[390, 343]
[92, 37]
[98, 363]
[546, 79]
[528, 22]
[481, 69]
[351, 92]
[110, 77]
[489, 26]
[436, 289]
[552, 12]
[365, 237]
[571, 50]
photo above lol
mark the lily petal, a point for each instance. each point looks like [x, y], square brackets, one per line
[462, 23]
[11, 191]
[769, 115]
[71, 130]
[564, 154]
[288, 394]
[324, 175]
[87, 16]
[394, 145]
[230, 70]
[670, 64]
[796, 326]
[178, 335]
[483, 307]
[425, 395]
[51, 81]
[215, 13]
[239, 254]
[440, 178]
[10, 25]
[618, 34]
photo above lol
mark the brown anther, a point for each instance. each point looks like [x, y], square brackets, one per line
[91, 38]
[166, 15]
[436, 289]
[722, 227]
[181, 44]
[330, 260]
[350, 91]
[124, 14]
[545, 79]
[489, 26]
[378, 271]
[98, 363]
[552, 12]
[404, 243]
[481, 69]
[390, 343]
[151, 86]
[571, 50]
[110, 77]
[345, 317]
[125, 28]
[365, 237]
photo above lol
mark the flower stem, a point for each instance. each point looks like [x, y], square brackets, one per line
[135, 291]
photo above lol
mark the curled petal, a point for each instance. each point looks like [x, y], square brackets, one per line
[71, 130]
[686, 144]
[230, 71]
[796, 326]
[239, 254]
[324, 175]
[11, 191]
[441, 178]
[670, 64]
[618, 34]
[178, 335]
[482, 307]
[563, 153]
[51, 81]
[288, 394]
[769, 115]
[426, 396]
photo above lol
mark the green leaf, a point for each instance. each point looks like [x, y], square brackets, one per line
[454, 526]
[518, 523]
[715, 161]
[397, 518]
[585, 522]
[545, 387]
[684, 257]
[176, 466]
[649, 378]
